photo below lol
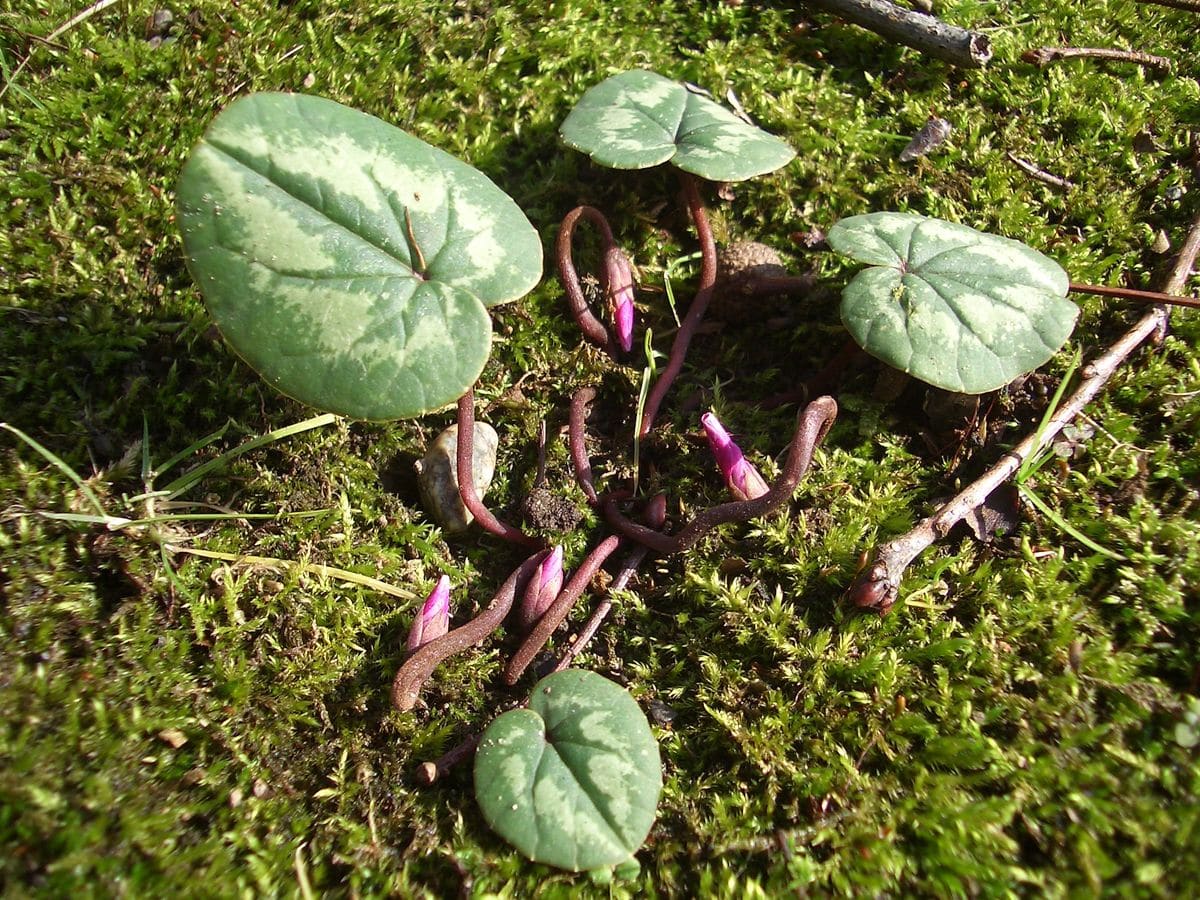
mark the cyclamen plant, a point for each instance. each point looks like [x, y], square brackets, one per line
[412, 246]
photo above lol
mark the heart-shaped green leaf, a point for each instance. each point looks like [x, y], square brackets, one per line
[346, 261]
[958, 308]
[639, 119]
[573, 780]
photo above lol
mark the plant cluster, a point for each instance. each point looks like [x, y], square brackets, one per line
[363, 289]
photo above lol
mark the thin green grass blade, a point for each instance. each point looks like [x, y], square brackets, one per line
[61, 466]
[1053, 515]
[184, 482]
[643, 392]
[1031, 464]
[193, 448]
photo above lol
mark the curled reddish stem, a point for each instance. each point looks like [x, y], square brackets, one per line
[656, 515]
[557, 613]
[464, 459]
[577, 438]
[814, 423]
[593, 329]
[417, 668]
[695, 313]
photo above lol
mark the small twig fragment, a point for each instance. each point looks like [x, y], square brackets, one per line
[1043, 56]
[1140, 296]
[1040, 174]
[1189, 5]
[656, 516]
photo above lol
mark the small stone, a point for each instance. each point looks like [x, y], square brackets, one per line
[236, 796]
[1162, 243]
[660, 713]
[437, 475]
[173, 738]
[193, 777]
[309, 80]
[159, 24]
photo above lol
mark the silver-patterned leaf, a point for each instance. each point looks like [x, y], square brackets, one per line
[346, 261]
[958, 308]
[639, 119]
[573, 780]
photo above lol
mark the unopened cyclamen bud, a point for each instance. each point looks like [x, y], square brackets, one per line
[618, 283]
[545, 585]
[743, 480]
[433, 620]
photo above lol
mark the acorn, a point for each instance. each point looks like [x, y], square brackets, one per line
[437, 475]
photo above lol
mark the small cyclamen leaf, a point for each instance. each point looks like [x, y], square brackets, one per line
[346, 261]
[639, 119]
[957, 308]
[573, 780]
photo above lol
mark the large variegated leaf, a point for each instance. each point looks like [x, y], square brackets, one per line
[639, 119]
[958, 308]
[573, 780]
[346, 261]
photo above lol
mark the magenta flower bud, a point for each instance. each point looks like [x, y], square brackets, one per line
[434, 618]
[618, 277]
[743, 480]
[543, 588]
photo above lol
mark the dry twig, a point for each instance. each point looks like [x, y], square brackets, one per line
[1043, 56]
[921, 32]
[1040, 174]
[878, 585]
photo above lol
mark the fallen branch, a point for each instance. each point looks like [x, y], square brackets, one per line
[1043, 56]
[917, 30]
[877, 587]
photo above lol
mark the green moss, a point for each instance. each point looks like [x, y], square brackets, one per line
[1008, 730]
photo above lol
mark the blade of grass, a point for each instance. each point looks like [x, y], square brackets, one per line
[647, 377]
[1053, 515]
[1031, 464]
[672, 266]
[114, 523]
[287, 564]
[61, 466]
[195, 447]
[187, 480]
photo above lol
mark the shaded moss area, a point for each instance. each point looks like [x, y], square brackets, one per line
[171, 723]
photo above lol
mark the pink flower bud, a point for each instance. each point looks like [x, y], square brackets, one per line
[618, 277]
[743, 480]
[434, 618]
[543, 588]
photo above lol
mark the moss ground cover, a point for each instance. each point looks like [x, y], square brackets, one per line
[175, 724]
